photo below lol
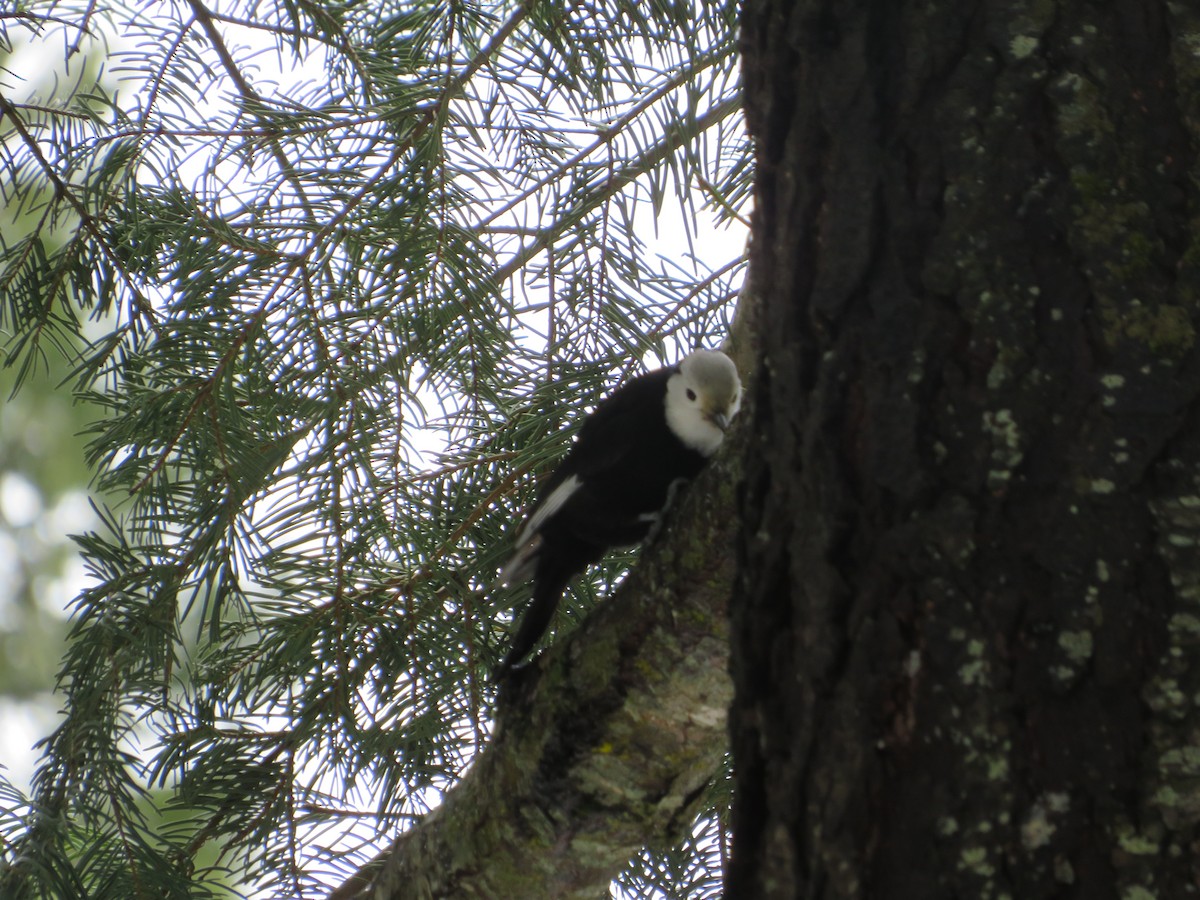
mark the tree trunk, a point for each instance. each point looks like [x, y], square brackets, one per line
[966, 642]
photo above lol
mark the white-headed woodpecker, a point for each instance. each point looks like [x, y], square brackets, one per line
[650, 435]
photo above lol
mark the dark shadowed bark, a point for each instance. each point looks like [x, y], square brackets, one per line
[967, 640]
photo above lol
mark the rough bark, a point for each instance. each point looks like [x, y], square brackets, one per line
[607, 744]
[967, 643]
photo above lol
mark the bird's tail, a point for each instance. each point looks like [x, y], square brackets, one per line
[548, 588]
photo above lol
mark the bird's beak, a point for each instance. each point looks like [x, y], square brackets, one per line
[720, 420]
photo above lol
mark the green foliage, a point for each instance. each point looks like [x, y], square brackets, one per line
[341, 273]
[694, 869]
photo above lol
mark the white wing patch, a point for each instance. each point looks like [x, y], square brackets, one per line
[522, 563]
[549, 507]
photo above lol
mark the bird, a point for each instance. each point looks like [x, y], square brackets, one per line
[630, 456]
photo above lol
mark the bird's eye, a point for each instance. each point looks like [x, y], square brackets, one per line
[691, 394]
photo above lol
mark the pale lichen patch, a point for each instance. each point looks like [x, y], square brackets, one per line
[1077, 645]
[1023, 45]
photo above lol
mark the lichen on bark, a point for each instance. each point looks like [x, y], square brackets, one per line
[987, 383]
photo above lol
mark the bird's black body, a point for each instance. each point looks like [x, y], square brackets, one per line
[626, 461]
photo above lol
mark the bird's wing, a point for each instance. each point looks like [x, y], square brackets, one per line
[618, 424]
[607, 437]
[553, 502]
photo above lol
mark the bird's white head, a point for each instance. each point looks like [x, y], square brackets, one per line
[702, 399]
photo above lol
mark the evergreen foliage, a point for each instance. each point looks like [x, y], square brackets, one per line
[343, 272]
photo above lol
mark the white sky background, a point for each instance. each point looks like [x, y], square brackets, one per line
[22, 723]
